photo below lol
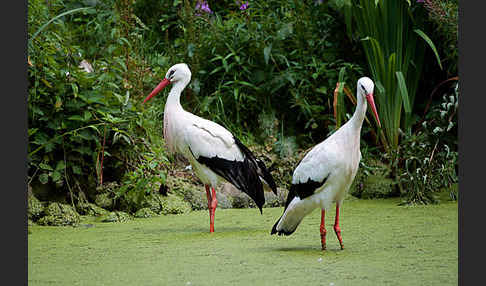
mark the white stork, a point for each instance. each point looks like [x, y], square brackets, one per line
[213, 152]
[325, 174]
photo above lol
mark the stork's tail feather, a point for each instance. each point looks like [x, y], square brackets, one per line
[259, 166]
[244, 175]
[240, 174]
[264, 173]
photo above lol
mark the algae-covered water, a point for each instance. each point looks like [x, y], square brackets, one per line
[385, 244]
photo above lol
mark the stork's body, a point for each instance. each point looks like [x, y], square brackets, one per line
[213, 152]
[325, 174]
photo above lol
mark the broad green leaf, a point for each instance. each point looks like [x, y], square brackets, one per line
[403, 91]
[341, 74]
[247, 84]
[87, 115]
[60, 165]
[44, 178]
[430, 43]
[45, 166]
[266, 53]
[322, 90]
[95, 128]
[380, 87]
[32, 131]
[75, 89]
[76, 118]
[56, 176]
[76, 170]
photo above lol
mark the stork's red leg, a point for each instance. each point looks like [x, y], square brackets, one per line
[337, 229]
[212, 203]
[211, 219]
[212, 209]
[323, 230]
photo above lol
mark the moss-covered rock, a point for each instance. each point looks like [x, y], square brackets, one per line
[196, 199]
[282, 167]
[153, 202]
[272, 200]
[117, 216]
[376, 187]
[242, 200]
[173, 204]
[59, 215]
[238, 198]
[372, 180]
[34, 208]
[144, 213]
[104, 200]
[90, 209]
[224, 201]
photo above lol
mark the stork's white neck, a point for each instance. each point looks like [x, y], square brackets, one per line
[359, 113]
[173, 100]
[172, 112]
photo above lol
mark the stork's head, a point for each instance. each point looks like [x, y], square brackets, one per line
[177, 73]
[365, 89]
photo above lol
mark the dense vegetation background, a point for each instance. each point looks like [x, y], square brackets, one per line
[279, 74]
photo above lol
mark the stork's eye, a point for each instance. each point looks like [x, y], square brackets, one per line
[171, 74]
[362, 87]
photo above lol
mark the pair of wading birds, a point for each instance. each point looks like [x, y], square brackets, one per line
[322, 177]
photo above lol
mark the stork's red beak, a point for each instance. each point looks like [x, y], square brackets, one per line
[371, 101]
[156, 90]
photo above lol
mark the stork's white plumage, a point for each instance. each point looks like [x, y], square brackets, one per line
[325, 174]
[213, 152]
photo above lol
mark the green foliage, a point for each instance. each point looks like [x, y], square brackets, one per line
[117, 216]
[145, 213]
[444, 16]
[395, 45]
[430, 154]
[85, 125]
[280, 56]
[372, 179]
[35, 208]
[59, 214]
[174, 205]
[267, 73]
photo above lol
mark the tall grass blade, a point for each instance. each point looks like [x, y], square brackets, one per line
[57, 17]
[430, 43]
[402, 87]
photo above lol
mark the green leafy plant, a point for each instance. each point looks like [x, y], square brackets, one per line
[430, 154]
[275, 55]
[84, 126]
[394, 43]
[444, 15]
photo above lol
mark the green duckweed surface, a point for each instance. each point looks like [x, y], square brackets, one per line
[384, 244]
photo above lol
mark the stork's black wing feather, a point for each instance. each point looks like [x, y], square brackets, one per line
[258, 165]
[301, 190]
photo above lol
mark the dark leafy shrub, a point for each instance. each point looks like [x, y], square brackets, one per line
[84, 125]
[372, 179]
[274, 56]
[430, 154]
[444, 16]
